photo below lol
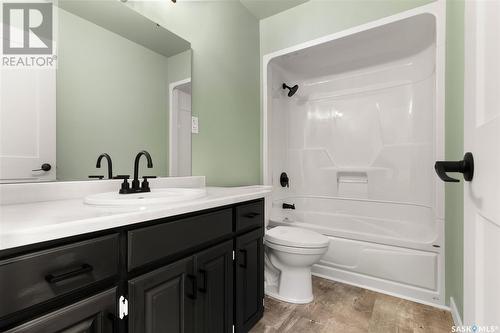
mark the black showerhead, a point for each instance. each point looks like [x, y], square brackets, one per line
[292, 91]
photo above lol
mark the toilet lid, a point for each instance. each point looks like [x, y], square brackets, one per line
[296, 237]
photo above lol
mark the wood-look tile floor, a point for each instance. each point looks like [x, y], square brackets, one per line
[339, 307]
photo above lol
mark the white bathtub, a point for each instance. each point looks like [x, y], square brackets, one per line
[392, 247]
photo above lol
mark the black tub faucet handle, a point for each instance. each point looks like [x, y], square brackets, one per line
[284, 180]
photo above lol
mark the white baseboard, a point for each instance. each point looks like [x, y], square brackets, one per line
[454, 313]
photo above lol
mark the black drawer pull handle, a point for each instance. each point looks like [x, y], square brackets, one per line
[53, 278]
[251, 215]
[194, 280]
[244, 263]
[204, 288]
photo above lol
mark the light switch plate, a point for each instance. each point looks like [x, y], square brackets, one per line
[194, 125]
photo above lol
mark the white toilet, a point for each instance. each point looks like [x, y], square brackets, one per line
[290, 254]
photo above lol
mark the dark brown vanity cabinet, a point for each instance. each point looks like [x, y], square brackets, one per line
[96, 314]
[163, 300]
[201, 272]
[249, 281]
[214, 304]
[41, 276]
[191, 295]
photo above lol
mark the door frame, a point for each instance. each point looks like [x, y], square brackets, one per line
[172, 107]
[469, 99]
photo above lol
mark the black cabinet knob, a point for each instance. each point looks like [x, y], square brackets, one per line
[45, 167]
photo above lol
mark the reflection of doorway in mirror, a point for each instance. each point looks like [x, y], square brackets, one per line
[27, 125]
[180, 128]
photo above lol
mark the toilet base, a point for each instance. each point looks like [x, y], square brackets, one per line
[272, 291]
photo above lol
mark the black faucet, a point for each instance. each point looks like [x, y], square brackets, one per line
[110, 164]
[98, 165]
[135, 182]
[288, 206]
[136, 186]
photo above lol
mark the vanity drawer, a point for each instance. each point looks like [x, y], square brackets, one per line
[37, 277]
[146, 245]
[250, 216]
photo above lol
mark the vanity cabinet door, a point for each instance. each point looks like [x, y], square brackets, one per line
[249, 279]
[163, 300]
[214, 307]
[96, 314]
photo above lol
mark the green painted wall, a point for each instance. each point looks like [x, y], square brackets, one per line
[225, 41]
[112, 96]
[318, 18]
[454, 149]
[179, 67]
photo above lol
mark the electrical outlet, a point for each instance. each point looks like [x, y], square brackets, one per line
[194, 125]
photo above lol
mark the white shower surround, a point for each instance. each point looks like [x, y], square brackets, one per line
[375, 196]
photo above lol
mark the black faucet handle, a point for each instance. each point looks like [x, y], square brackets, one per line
[96, 177]
[125, 188]
[145, 183]
[284, 180]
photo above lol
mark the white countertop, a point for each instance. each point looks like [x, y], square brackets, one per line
[34, 222]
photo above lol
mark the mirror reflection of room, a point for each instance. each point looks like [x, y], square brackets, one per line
[115, 91]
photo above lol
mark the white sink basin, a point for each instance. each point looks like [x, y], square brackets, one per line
[155, 197]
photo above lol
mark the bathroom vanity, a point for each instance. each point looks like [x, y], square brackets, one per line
[197, 271]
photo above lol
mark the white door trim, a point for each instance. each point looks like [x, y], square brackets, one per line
[171, 108]
[469, 100]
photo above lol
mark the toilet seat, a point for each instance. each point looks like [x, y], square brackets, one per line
[296, 250]
[285, 237]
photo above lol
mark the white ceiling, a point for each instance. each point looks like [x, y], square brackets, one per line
[265, 8]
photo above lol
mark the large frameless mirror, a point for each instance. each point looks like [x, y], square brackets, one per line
[120, 83]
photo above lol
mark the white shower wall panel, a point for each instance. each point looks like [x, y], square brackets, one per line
[376, 123]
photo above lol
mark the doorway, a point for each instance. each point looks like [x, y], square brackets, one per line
[180, 128]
